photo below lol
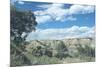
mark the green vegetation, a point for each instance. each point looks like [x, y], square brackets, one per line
[41, 60]
[86, 50]
[40, 53]
[22, 22]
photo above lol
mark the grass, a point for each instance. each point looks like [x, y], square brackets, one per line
[41, 60]
[78, 59]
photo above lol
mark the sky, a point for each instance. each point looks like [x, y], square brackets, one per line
[59, 20]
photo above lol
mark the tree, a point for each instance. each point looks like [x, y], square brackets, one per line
[21, 22]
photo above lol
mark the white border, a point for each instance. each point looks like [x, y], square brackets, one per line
[4, 33]
[5, 29]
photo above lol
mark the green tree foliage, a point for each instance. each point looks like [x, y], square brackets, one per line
[21, 22]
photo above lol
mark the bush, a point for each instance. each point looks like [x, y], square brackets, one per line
[40, 51]
[60, 50]
[86, 50]
[41, 60]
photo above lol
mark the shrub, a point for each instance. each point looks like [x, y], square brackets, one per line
[45, 60]
[86, 50]
[60, 50]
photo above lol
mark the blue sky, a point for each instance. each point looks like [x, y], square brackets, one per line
[60, 21]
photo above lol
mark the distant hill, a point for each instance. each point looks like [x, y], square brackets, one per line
[71, 43]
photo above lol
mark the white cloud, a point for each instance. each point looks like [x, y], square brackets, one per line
[43, 19]
[69, 18]
[50, 5]
[58, 13]
[19, 1]
[80, 9]
[62, 33]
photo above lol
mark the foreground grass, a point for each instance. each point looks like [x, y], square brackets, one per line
[78, 60]
[45, 60]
